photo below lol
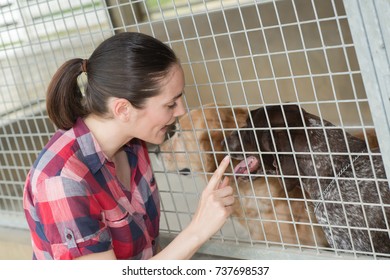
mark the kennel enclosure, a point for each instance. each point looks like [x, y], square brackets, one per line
[329, 56]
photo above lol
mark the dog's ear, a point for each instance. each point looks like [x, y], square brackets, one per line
[263, 141]
[283, 117]
[295, 115]
[284, 161]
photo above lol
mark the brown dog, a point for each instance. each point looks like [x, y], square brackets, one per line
[262, 206]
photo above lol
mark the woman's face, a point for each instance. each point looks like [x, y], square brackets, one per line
[160, 111]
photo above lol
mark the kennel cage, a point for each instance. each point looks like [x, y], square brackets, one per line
[329, 56]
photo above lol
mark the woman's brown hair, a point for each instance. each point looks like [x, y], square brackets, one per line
[127, 65]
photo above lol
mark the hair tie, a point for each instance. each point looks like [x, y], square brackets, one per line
[84, 65]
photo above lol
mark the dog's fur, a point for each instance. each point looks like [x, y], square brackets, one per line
[261, 204]
[290, 128]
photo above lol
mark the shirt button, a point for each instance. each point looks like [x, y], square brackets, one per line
[153, 242]
[152, 181]
[69, 236]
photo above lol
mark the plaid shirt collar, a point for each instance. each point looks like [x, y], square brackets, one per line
[92, 154]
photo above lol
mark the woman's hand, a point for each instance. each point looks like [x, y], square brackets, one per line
[214, 208]
[215, 205]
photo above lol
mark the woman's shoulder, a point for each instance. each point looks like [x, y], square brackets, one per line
[55, 155]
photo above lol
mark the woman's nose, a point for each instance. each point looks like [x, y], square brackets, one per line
[180, 109]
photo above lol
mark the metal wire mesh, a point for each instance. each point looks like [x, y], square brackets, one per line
[237, 56]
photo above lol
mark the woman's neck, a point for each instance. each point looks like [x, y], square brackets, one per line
[108, 133]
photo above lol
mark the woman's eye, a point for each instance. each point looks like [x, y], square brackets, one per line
[172, 106]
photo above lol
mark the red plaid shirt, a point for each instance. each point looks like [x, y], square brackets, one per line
[75, 205]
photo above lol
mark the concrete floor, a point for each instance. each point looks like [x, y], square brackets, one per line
[15, 245]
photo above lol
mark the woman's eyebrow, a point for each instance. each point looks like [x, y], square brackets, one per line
[177, 96]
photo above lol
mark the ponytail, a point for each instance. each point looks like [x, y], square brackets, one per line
[63, 97]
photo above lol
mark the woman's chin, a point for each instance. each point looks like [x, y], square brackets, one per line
[158, 140]
[155, 142]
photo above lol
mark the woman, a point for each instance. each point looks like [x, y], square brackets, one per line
[91, 193]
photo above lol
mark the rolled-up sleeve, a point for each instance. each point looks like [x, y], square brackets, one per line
[71, 219]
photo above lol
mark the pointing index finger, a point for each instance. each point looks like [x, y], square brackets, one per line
[216, 178]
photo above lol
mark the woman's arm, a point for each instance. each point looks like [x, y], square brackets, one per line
[107, 255]
[214, 208]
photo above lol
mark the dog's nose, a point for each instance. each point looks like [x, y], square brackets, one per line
[185, 171]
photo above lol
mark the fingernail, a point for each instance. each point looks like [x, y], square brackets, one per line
[227, 158]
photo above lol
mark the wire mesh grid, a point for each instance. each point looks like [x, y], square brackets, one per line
[35, 39]
[237, 56]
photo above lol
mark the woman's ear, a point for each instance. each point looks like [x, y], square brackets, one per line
[121, 109]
